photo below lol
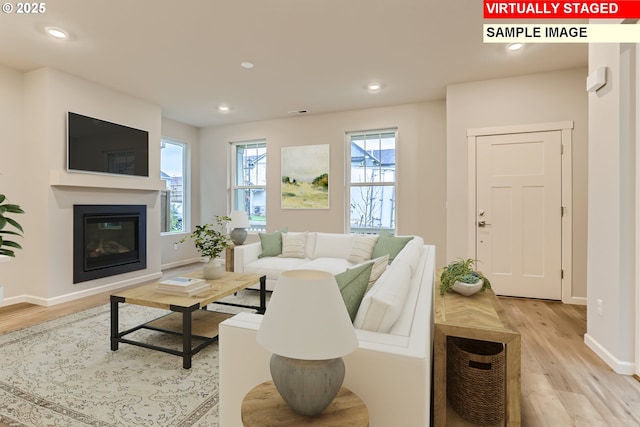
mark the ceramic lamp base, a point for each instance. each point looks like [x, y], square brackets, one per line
[308, 386]
[238, 236]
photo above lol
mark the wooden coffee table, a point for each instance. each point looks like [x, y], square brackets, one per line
[189, 318]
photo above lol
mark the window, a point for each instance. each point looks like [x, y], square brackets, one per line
[249, 181]
[173, 199]
[372, 186]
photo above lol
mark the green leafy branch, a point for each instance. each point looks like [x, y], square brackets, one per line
[210, 239]
[7, 246]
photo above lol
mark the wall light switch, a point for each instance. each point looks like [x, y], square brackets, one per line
[597, 79]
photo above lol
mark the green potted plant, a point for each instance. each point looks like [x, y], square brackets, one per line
[7, 246]
[210, 241]
[460, 277]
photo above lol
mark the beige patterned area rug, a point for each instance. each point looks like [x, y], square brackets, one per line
[63, 373]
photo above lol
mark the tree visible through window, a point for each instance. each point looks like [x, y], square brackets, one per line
[173, 199]
[372, 186]
[249, 173]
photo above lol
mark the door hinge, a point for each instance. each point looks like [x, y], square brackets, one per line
[562, 274]
[562, 210]
[561, 148]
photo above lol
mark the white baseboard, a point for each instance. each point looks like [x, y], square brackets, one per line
[575, 301]
[80, 294]
[180, 263]
[619, 366]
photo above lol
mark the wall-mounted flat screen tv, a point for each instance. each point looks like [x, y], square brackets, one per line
[96, 145]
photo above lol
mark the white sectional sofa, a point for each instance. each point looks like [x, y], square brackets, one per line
[390, 370]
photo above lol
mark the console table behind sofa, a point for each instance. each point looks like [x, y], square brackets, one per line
[479, 317]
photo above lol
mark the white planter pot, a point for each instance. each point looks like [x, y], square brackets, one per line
[213, 269]
[3, 258]
[467, 289]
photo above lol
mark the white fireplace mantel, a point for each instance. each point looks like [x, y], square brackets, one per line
[60, 178]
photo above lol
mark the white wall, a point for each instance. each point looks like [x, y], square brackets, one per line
[637, 222]
[538, 98]
[175, 255]
[48, 192]
[420, 162]
[611, 263]
[12, 163]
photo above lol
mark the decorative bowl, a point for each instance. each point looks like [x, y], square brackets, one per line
[467, 289]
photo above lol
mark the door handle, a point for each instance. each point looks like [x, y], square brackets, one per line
[482, 223]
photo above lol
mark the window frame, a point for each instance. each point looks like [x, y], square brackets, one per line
[186, 185]
[234, 187]
[349, 184]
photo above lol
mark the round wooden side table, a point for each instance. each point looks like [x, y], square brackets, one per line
[264, 407]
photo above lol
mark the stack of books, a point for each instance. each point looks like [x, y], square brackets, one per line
[182, 286]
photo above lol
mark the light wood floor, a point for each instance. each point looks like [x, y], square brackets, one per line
[18, 316]
[563, 382]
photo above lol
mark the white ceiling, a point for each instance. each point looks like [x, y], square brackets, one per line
[316, 55]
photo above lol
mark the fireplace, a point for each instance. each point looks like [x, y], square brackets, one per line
[108, 240]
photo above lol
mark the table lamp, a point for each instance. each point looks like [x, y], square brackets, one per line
[239, 222]
[308, 330]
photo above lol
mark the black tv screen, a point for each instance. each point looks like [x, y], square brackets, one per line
[96, 145]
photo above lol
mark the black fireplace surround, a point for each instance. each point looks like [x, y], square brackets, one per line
[108, 240]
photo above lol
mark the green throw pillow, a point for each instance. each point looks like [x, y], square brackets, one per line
[353, 284]
[389, 244]
[271, 243]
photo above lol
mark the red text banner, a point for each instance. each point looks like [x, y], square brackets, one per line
[494, 9]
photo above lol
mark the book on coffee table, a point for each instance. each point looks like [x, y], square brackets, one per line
[177, 290]
[180, 283]
[185, 286]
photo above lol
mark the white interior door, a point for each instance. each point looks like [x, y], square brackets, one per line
[518, 202]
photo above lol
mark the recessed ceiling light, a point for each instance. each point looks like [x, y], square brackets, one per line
[514, 47]
[374, 87]
[223, 108]
[57, 33]
[246, 64]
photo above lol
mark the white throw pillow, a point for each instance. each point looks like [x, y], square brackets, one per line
[412, 252]
[379, 266]
[293, 245]
[382, 305]
[332, 245]
[362, 248]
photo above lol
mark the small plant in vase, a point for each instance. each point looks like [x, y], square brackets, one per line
[460, 277]
[210, 241]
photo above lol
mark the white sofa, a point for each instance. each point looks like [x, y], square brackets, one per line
[390, 370]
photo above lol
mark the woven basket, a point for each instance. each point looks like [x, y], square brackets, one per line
[475, 380]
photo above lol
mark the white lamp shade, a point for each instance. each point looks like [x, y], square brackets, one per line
[239, 219]
[307, 318]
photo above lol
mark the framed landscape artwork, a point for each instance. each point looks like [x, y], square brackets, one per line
[305, 177]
